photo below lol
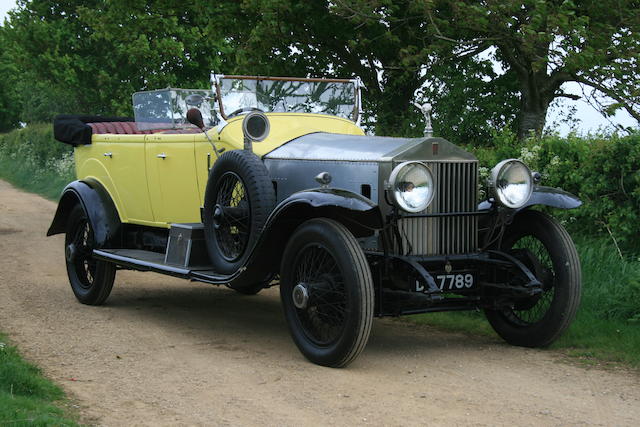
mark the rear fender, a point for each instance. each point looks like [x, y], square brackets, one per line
[97, 204]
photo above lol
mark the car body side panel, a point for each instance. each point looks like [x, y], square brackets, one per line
[118, 163]
[172, 179]
[291, 176]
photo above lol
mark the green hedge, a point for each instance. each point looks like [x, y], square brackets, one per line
[602, 170]
[31, 159]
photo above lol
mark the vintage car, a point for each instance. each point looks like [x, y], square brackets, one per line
[266, 180]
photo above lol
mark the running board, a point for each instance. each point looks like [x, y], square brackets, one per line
[136, 259]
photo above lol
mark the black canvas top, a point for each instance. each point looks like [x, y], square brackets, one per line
[73, 129]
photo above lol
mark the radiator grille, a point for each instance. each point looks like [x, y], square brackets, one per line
[456, 188]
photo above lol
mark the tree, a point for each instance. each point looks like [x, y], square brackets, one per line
[9, 100]
[280, 38]
[398, 46]
[543, 43]
[92, 55]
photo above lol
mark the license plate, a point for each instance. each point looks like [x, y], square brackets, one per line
[455, 281]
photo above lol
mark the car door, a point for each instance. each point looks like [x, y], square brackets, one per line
[171, 178]
[118, 163]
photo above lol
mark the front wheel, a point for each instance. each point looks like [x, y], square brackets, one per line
[548, 251]
[327, 293]
[91, 280]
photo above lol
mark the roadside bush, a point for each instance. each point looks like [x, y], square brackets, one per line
[31, 159]
[603, 171]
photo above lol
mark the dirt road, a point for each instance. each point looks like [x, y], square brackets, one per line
[168, 352]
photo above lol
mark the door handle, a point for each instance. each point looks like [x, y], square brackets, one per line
[161, 156]
[109, 155]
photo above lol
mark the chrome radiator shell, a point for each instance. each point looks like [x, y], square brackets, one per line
[454, 232]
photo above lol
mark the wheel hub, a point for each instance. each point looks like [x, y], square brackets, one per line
[218, 215]
[70, 252]
[300, 296]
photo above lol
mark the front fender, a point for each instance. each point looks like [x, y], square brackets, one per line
[546, 196]
[359, 214]
[350, 206]
[97, 204]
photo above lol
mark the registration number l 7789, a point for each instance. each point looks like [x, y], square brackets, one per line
[450, 282]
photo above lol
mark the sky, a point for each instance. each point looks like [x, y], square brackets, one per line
[590, 118]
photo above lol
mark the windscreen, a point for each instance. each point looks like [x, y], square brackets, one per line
[296, 96]
[167, 108]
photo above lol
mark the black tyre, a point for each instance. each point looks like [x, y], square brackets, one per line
[238, 199]
[91, 280]
[327, 293]
[551, 255]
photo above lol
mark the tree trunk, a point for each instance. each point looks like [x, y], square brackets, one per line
[396, 115]
[533, 109]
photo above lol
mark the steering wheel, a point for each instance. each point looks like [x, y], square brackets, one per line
[243, 110]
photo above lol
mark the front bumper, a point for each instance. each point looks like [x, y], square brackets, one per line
[408, 285]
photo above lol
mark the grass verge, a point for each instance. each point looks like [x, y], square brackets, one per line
[48, 184]
[26, 397]
[32, 160]
[607, 325]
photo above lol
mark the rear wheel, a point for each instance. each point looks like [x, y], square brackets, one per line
[91, 280]
[327, 293]
[548, 251]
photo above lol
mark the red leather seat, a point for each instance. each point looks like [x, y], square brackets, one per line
[130, 128]
[120, 128]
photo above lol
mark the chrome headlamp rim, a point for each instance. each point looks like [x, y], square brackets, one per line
[499, 194]
[397, 201]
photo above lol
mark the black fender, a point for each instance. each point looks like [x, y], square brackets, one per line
[97, 204]
[546, 196]
[359, 214]
[354, 210]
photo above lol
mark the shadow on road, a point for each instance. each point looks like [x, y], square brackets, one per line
[217, 314]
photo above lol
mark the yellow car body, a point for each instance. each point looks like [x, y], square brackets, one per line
[158, 179]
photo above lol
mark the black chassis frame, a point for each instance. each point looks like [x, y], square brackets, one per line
[404, 284]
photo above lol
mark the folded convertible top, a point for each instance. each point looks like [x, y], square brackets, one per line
[73, 128]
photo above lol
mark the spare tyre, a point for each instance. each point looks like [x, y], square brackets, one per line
[238, 199]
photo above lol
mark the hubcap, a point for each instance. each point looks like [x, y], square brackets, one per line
[70, 252]
[300, 296]
[218, 214]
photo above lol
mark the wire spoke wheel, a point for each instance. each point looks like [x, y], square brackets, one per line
[232, 230]
[323, 316]
[535, 310]
[546, 249]
[84, 263]
[327, 292]
[91, 280]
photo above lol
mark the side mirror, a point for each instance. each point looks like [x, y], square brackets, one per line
[194, 116]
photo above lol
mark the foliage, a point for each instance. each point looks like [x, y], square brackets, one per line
[78, 56]
[9, 98]
[89, 56]
[26, 397]
[542, 43]
[30, 158]
[601, 170]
